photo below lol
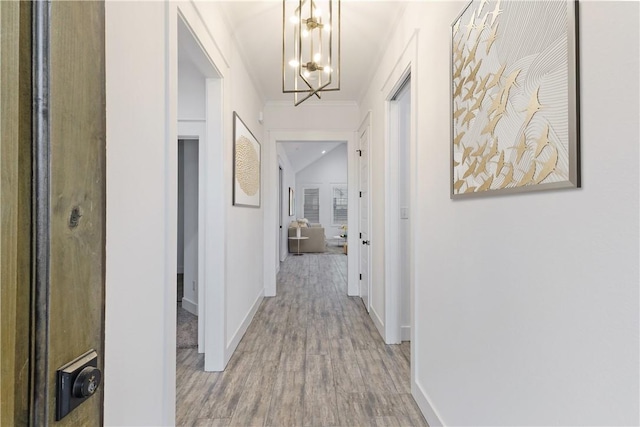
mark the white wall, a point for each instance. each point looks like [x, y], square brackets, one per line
[326, 172]
[311, 116]
[138, 345]
[526, 306]
[191, 91]
[142, 104]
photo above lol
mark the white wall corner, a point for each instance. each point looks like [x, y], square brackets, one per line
[378, 322]
[405, 333]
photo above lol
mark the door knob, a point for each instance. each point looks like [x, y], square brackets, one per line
[366, 242]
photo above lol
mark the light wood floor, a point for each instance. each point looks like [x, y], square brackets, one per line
[311, 357]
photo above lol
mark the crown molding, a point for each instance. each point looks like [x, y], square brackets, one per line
[307, 104]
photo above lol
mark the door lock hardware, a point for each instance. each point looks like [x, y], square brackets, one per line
[78, 380]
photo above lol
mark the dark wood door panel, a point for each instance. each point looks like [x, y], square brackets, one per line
[15, 204]
[70, 207]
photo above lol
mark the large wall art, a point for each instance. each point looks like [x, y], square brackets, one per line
[246, 165]
[514, 87]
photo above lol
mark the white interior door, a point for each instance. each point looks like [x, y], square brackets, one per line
[281, 229]
[364, 245]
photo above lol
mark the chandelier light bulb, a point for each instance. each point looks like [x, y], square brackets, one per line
[327, 69]
[327, 28]
[305, 33]
[294, 63]
[317, 57]
[306, 74]
[294, 19]
[317, 12]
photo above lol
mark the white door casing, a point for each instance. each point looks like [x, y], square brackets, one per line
[271, 196]
[399, 76]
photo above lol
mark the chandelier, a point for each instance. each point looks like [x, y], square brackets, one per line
[310, 48]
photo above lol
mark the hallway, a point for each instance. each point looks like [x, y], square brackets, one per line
[311, 357]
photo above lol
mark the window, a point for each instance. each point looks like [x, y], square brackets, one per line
[311, 208]
[340, 203]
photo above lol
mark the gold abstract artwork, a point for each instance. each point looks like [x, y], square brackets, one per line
[247, 166]
[511, 105]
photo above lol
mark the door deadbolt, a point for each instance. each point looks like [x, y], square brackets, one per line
[87, 382]
[78, 380]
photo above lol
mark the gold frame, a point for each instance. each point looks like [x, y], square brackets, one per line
[513, 127]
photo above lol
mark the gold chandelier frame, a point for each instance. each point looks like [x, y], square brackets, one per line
[310, 48]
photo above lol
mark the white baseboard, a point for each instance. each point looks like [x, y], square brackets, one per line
[190, 306]
[378, 322]
[405, 333]
[427, 409]
[239, 333]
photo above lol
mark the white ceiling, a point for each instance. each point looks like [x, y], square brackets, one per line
[302, 154]
[257, 28]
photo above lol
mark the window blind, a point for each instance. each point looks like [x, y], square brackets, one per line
[312, 204]
[340, 204]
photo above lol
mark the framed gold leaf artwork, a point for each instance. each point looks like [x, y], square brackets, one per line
[514, 97]
[246, 165]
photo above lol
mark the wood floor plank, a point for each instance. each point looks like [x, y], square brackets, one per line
[255, 399]
[287, 402]
[215, 422]
[321, 409]
[374, 372]
[354, 410]
[397, 366]
[222, 400]
[319, 375]
[346, 372]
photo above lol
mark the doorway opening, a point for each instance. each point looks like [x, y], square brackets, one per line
[400, 189]
[337, 192]
[188, 237]
[314, 175]
[401, 126]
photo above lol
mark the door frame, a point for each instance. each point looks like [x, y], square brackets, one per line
[211, 204]
[270, 174]
[404, 67]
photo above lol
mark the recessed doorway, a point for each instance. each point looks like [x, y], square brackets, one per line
[188, 236]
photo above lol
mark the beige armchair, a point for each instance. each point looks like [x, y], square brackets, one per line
[315, 243]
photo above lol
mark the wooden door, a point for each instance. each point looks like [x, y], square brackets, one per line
[64, 189]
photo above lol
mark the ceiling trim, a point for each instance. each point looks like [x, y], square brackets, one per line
[313, 104]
